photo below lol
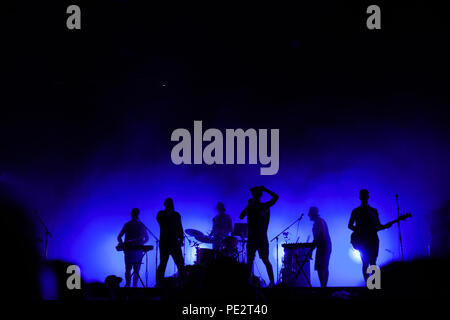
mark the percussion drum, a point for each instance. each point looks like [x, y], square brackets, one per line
[229, 247]
[205, 256]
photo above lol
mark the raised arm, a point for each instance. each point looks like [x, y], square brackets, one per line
[274, 196]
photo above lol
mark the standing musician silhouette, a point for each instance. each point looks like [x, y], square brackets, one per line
[322, 243]
[365, 224]
[135, 234]
[258, 216]
[171, 240]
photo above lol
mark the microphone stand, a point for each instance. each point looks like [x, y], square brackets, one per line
[47, 233]
[156, 255]
[278, 235]
[398, 224]
[184, 247]
[184, 244]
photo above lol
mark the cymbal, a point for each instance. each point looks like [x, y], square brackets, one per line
[194, 233]
[242, 235]
[204, 239]
[198, 235]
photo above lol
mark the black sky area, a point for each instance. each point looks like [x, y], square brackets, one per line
[137, 72]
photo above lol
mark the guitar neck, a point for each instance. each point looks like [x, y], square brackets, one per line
[402, 217]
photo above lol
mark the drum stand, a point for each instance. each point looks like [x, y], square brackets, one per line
[243, 241]
[137, 273]
[146, 270]
[307, 257]
[156, 255]
[278, 235]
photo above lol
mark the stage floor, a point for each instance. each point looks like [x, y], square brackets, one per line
[274, 294]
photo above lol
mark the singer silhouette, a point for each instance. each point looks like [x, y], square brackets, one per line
[258, 216]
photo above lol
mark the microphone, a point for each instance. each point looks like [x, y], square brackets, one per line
[301, 216]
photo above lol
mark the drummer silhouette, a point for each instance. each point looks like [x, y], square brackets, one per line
[222, 226]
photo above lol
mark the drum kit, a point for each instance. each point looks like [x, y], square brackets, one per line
[227, 247]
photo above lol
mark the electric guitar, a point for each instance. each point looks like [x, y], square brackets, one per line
[357, 237]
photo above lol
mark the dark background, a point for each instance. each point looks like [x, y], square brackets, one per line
[93, 109]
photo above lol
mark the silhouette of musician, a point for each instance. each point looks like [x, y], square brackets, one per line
[222, 226]
[258, 216]
[135, 234]
[365, 223]
[171, 239]
[322, 243]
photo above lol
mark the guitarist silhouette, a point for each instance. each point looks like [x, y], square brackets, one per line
[365, 223]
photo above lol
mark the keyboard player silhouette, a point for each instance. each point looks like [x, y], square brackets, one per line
[135, 236]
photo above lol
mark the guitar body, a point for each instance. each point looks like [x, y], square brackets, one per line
[359, 239]
[355, 240]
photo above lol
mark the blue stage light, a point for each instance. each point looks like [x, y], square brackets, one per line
[355, 255]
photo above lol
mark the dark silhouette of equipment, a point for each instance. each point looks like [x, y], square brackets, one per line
[284, 232]
[240, 230]
[146, 256]
[226, 247]
[131, 246]
[205, 256]
[199, 236]
[296, 262]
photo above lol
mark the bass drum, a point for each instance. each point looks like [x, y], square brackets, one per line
[229, 247]
[205, 256]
